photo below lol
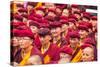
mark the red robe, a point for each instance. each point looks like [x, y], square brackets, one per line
[77, 54]
[37, 42]
[52, 53]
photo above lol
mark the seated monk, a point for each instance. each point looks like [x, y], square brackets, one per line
[26, 47]
[48, 50]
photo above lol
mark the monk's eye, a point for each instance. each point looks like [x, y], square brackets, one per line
[83, 54]
[87, 55]
[64, 54]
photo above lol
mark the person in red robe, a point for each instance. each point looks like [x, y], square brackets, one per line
[51, 14]
[26, 47]
[14, 44]
[86, 16]
[75, 45]
[87, 53]
[94, 22]
[37, 15]
[74, 7]
[48, 50]
[56, 34]
[65, 54]
[84, 32]
[34, 26]
[64, 27]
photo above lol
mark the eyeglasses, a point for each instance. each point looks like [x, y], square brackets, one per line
[24, 38]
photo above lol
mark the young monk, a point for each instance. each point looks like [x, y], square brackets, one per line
[75, 45]
[48, 50]
[56, 34]
[34, 26]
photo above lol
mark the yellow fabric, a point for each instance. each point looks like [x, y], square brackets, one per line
[43, 50]
[38, 4]
[23, 62]
[46, 59]
[15, 5]
[78, 56]
[59, 44]
[14, 8]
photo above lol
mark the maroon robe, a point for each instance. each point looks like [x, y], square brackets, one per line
[52, 52]
[37, 42]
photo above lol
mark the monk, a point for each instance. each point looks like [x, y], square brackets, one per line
[48, 50]
[74, 44]
[27, 48]
[87, 53]
[34, 26]
[56, 34]
[65, 55]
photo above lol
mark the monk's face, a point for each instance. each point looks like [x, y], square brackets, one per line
[56, 31]
[25, 42]
[51, 14]
[77, 15]
[45, 40]
[34, 29]
[83, 33]
[87, 54]
[49, 5]
[64, 27]
[85, 19]
[94, 23]
[74, 9]
[40, 12]
[74, 41]
[65, 12]
[71, 25]
[25, 19]
[58, 11]
[15, 42]
[29, 7]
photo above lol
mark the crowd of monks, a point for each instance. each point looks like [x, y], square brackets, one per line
[50, 33]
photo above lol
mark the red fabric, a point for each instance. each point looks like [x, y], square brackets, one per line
[74, 6]
[37, 42]
[86, 45]
[23, 33]
[67, 50]
[63, 17]
[94, 17]
[53, 52]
